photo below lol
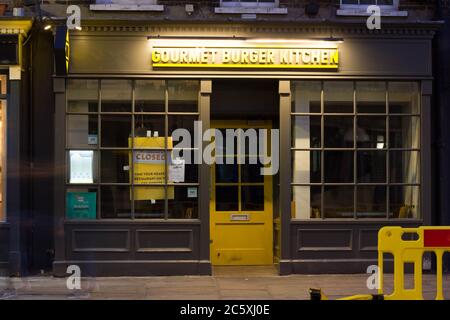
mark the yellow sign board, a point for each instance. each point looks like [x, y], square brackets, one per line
[245, 57]
[149, 168]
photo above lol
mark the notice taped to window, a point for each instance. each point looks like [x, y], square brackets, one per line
[149, 169]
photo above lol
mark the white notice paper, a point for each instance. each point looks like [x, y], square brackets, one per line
[81, 165]
[176, 170]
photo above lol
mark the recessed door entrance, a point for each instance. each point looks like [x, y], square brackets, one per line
[241, 205]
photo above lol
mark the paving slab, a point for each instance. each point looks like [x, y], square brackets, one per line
[233, 283]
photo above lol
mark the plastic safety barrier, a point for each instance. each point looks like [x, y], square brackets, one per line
[407, 245]
[423, 239]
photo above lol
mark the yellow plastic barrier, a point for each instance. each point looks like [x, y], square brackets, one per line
[428, 239]
[391, 240]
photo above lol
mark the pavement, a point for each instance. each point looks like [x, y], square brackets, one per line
[227, 283]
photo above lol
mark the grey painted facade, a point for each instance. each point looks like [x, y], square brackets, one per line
[115, 45]
[307, 246]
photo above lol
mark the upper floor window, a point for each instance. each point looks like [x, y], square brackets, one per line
[126, 5]
[381, 3]
[249, 3]
[359, 8]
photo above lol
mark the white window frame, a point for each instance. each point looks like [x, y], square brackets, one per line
[249, 4]
[394, 6]
[361, 9]
[126, 5]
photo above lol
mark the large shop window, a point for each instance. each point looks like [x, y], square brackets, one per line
[121, 158]
[355, 150]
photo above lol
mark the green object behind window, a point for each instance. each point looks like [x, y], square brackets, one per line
[81, 205]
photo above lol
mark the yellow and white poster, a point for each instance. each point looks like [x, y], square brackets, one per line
[149, 168]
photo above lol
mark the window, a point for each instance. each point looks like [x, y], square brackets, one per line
[249, 3]
[121, 161]
[126, 5]
[355, 149]
[359, 8]
[390, 3]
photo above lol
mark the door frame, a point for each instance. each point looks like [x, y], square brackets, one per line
[268, 180]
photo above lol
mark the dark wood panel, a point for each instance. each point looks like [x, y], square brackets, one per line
[368, 240]
[100, 240]
[324, 239]
[164, 240]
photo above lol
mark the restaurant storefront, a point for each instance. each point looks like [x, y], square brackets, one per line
[143, 188]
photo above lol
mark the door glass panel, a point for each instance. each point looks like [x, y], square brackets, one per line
[227, 198]
[252, 198]
[226, 173]
[251, 171]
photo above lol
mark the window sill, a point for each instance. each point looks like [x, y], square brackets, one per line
[364, 13]
[247, 10]
[126, 7]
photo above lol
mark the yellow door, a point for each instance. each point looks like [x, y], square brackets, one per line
[241, 205]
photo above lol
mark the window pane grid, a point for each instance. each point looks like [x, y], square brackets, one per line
[99, 146]
[376, 128]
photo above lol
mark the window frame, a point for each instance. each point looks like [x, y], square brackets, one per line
[98, 184]
[393, 7]
[389, 183]
[250, 4]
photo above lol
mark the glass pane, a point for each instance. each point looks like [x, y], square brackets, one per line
[81, 203]
[371, 166]
[404, 132]
[82, 166]
[115, 202]
[306, 132]
[371, 97]
[306, 96]
[184, 204]
[190, 169]
[338, 97]
[251, 170]
[116, 95]
[338, 166]
[338, 132]
[227, 198]
[115, 166]
[404, 202]
[149, 202]
[149, 167]
[306, 167]
[183, 95]
[338, 201]
[371, 202]
[82, 130]
[227, 173]
[371, 132]
[82, 95]
[149, 95]
[226, 141]
[252, 198]
[115, 131]
[182, 122]
[149, 126]
[306, 202]
[403, 97]
[404, 166]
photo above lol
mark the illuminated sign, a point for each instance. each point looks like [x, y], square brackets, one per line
[243, 55]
